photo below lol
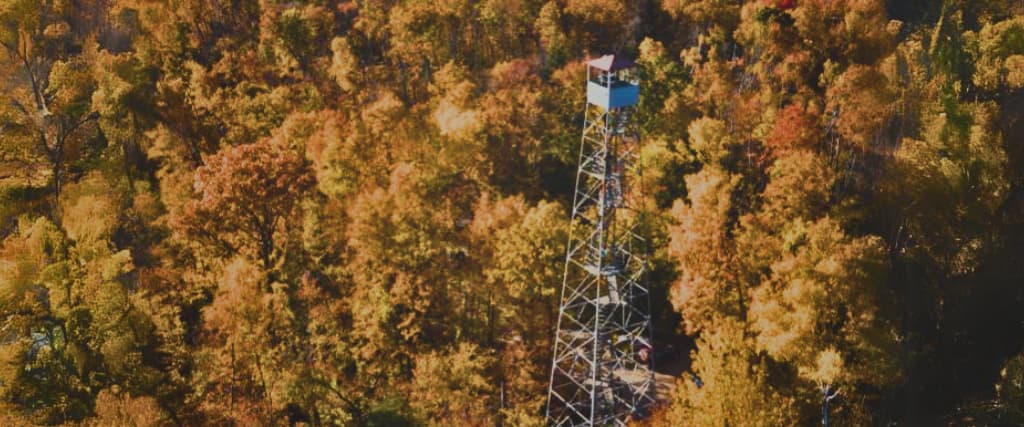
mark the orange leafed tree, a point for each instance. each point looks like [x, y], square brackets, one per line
[244, 195]
[794, 129]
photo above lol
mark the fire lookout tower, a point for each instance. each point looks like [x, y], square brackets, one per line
[602, 369]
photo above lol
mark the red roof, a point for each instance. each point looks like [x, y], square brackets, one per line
[611, 63]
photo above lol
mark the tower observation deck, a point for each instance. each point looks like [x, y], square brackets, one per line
[602, 369]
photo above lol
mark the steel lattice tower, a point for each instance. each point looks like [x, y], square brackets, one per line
[602, 371]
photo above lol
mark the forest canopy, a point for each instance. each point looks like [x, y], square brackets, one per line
[356, 212]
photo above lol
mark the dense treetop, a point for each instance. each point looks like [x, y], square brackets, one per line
[355, 213]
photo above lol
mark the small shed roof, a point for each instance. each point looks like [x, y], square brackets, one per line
[611, 63]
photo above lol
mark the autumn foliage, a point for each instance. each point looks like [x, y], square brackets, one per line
[245, 196]
[355, 213]
[794, 129]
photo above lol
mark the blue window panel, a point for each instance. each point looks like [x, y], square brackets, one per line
[619, 95]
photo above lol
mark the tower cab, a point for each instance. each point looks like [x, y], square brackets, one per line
[612, 82]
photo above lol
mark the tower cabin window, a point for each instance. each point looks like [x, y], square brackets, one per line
[612, 82]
